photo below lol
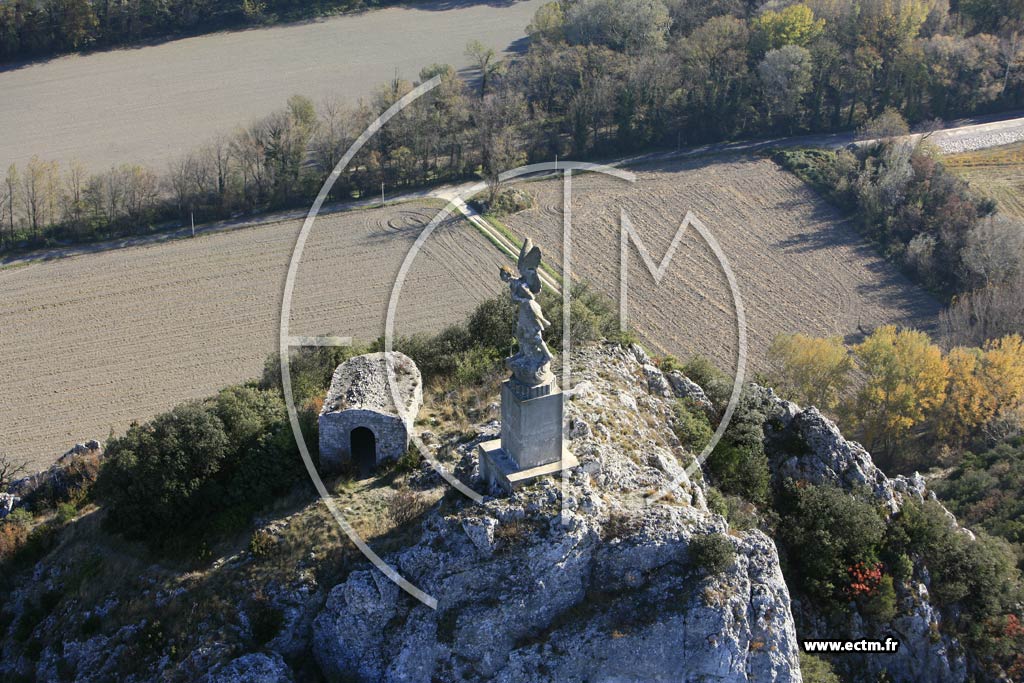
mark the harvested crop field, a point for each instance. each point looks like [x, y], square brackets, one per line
[92, 342]
[152, 104]
[997, 172]
[799, 266]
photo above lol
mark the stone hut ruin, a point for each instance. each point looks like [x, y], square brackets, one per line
[359, 424]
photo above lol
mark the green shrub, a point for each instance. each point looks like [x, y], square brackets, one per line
[592, 317]
[474, 365]
[714, 553]
[262, 543]
[815, 669]
[691, 425]
[410, 461]
[66, 512]
[985, 491]
[977, 575]
[880, 606]
[493, 324]
[738, 464]
[716, 502]
[509, 201]
[715, 383]
[824, 531]
[201, 469]
[155, 471]
[742, 514]
[310, 368]
[19, 516]
[897, 194]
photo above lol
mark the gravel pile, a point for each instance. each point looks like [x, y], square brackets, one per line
[968, 141]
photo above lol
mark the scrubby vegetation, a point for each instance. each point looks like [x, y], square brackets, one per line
[738, 466]
[600, 77]
[827, 534]
[713, 553]
[984, 491]
[842, 552]
[913, 405]
[905, 201]
[202, 470]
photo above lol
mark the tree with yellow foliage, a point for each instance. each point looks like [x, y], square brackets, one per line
[810, 370]
[969, 402]
[1003, 370]
[906, 379]
[794, 25]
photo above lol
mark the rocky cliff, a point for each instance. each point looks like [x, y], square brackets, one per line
[574, 580]
[806, 446]
[566, 580]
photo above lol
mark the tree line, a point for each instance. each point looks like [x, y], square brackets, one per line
[600, 77]
[929, 221]
[912, 404]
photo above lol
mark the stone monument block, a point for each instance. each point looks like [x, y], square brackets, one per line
[531, 428]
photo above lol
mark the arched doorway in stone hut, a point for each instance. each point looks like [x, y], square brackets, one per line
[364, 450]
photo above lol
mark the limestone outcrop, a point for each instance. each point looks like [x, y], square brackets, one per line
[804, 445]
[574, 579]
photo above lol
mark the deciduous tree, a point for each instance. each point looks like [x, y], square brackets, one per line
[811, 370]
[906, 378]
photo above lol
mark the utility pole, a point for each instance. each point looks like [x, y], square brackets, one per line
[192, 214]
[382, 195]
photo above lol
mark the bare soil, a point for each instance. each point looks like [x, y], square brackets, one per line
[800, 267]
[91, 343]
[151, 104]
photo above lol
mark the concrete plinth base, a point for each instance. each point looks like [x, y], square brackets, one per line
[531, 423]
[498, 468]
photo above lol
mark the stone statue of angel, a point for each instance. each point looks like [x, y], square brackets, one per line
[531, 364]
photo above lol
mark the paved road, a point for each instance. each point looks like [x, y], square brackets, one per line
[146, 105]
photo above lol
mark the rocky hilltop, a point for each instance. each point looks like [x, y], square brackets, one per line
[565, 580]
[808, 447]
[575, 580]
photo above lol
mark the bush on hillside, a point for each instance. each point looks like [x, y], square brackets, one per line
[738, 464]
[691, 425]
[978, 575]
[984, 491]
[824, 532]
[203, 465]
[714, 553]
[716, 384]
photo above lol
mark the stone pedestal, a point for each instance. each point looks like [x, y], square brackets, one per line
[531, 437]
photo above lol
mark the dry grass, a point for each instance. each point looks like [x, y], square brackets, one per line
[997, 172]
[800, 268]
[93, 342]
[200, 602]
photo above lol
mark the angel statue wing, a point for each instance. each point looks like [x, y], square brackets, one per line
[529, 261]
